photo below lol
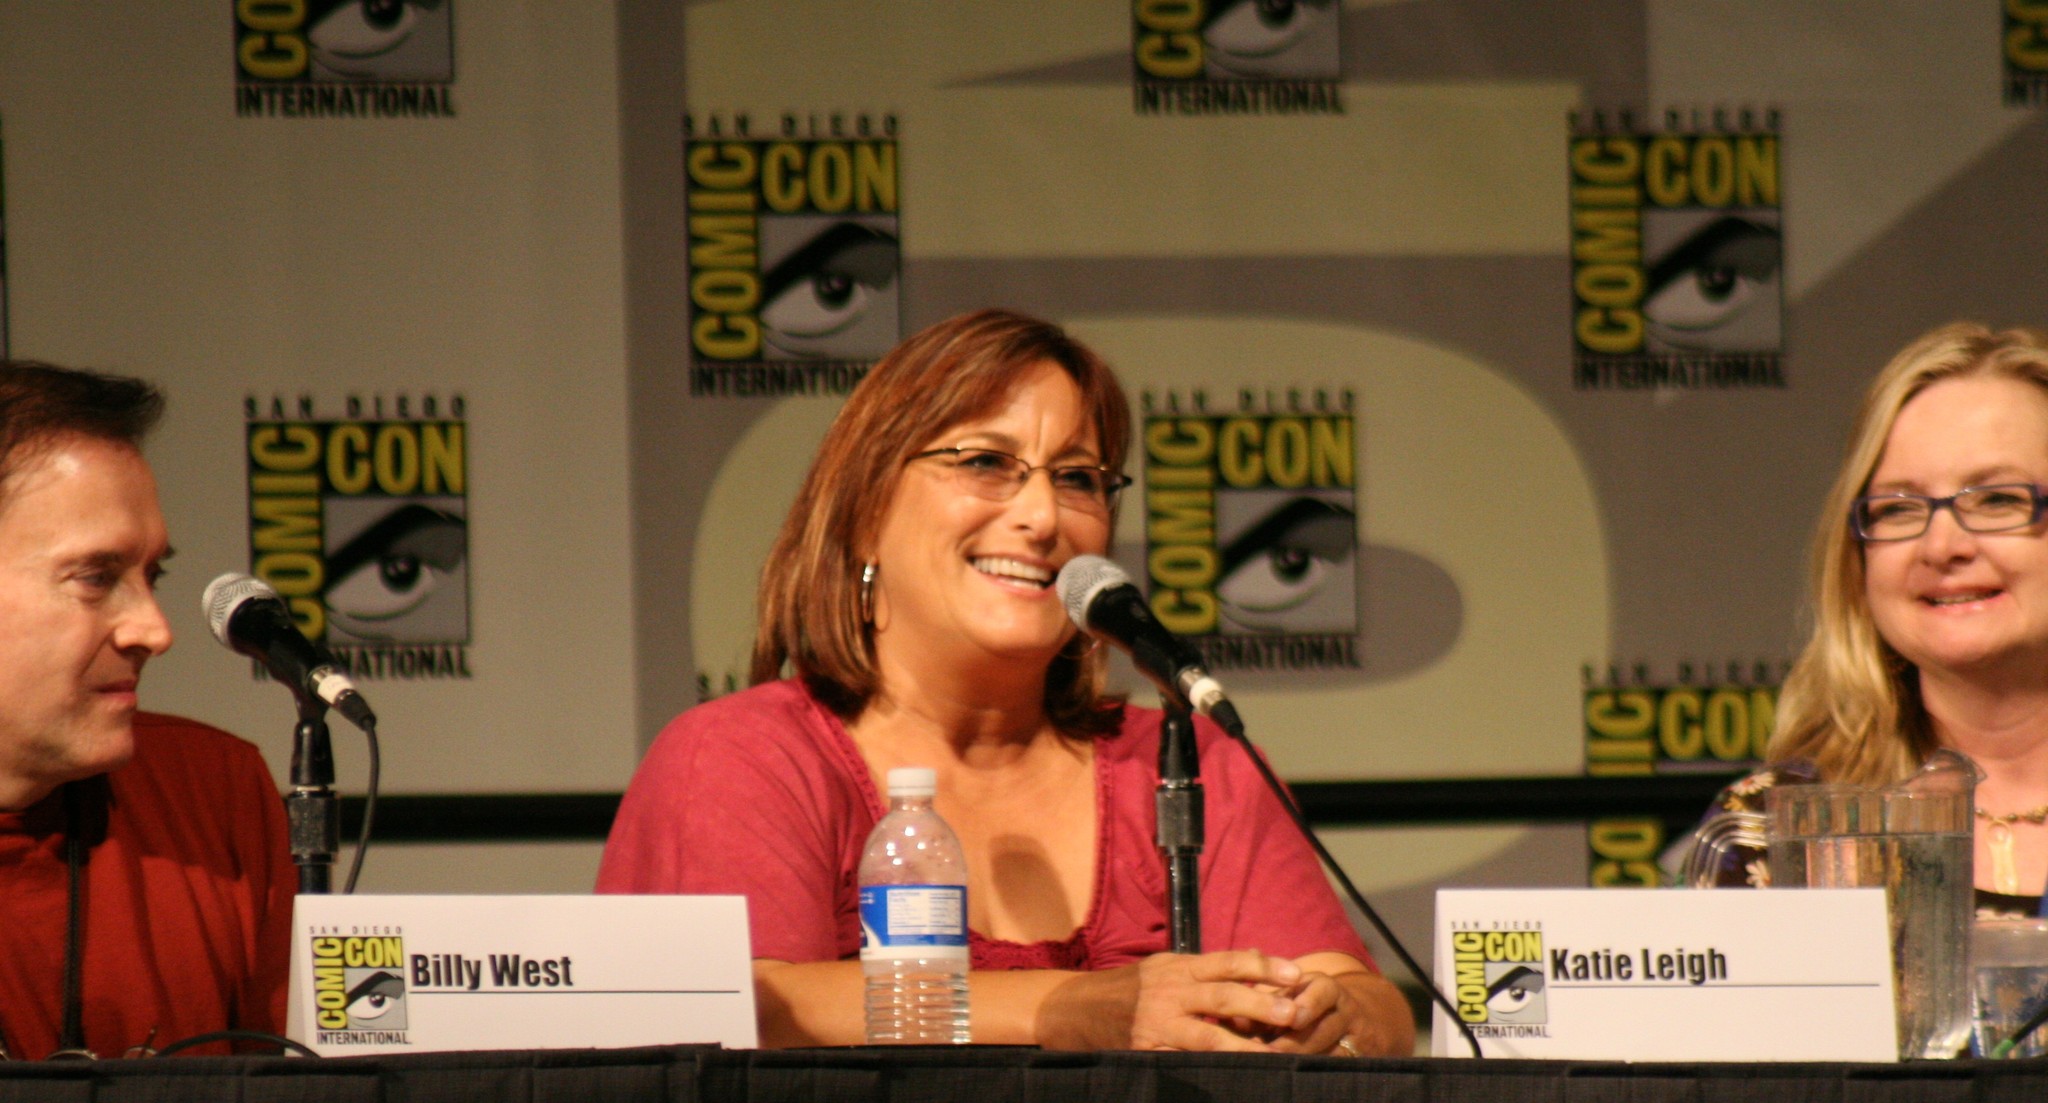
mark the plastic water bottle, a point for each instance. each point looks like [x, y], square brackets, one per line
[913, 920]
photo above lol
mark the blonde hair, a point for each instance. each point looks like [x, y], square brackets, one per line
[963, 368]
[1851, 704]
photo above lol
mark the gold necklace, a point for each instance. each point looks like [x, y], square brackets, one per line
[2005, 877]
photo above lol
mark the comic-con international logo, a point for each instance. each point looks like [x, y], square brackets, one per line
[1251, 528]
[361, 524]
[1236, 57]
[2025, 51]
[1712, 717]
[795, 254]
[344, 58]
[359, 989]
[1677, 249]
[1498, 981]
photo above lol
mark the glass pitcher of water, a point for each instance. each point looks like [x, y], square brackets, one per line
[1912, 840]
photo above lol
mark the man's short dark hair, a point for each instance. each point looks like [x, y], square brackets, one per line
[40, 403]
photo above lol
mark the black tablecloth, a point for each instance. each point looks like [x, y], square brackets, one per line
[688, 1074]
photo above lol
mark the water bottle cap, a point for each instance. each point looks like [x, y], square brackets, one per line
[913, 781]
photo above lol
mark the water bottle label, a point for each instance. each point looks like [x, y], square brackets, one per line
[913, 921]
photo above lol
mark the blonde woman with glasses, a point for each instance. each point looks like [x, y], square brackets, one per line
[1930, 583]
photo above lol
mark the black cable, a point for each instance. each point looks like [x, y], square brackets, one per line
[355, 865]
[1235, 727]
[71, 1042]
[280, 1041]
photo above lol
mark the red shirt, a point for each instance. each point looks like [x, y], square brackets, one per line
[764, 794]
[187, 902]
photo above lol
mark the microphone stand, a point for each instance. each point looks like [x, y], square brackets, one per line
[1178, 808]
[311, 810]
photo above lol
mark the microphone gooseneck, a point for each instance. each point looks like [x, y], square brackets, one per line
[247, 616]
[1100, 598]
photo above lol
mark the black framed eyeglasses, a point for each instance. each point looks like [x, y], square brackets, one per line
[1999, 508]
[998, 476]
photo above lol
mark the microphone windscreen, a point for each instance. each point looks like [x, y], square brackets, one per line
[226, 594]
[1081, 579]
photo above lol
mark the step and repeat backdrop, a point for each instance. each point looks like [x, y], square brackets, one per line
[1489, 357]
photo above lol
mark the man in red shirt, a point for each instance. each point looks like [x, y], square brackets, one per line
[145, 885]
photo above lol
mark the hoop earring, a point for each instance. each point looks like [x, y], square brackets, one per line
[867, 593]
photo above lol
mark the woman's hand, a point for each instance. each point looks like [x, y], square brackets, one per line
[1185, 1000]
[1346, 1010]
[1239, 1000]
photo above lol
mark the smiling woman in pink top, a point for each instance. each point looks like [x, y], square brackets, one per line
[908, 617]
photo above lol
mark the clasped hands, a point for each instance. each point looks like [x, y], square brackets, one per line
[1246, 1001]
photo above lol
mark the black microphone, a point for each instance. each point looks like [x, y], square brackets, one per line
[1101, 599]
[249, 617]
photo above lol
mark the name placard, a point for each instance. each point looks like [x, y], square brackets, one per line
[410, 974]
[1666, 975]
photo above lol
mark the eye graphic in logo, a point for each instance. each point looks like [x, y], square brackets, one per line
[380, 39]
[1271, 38]
[1715, 288]
[376, 999]
[833, 293]
[1291, 569]
[399, 577]
[1515, 996]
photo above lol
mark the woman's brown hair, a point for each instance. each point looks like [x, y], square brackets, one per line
[956, 371]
